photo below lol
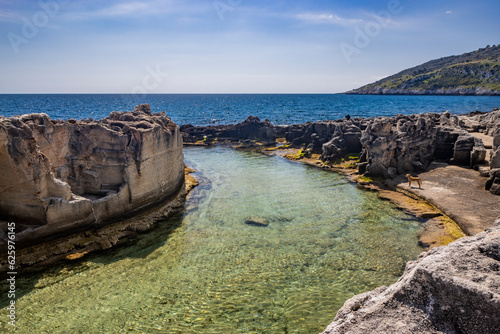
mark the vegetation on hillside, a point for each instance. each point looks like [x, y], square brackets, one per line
[476, 72]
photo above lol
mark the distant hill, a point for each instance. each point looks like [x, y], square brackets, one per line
[473, 73]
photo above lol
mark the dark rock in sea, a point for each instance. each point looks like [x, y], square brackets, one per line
[251, 129]
[451, 289]
[257, 221]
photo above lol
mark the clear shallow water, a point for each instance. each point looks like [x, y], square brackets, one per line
[199, 109]
[326, 241]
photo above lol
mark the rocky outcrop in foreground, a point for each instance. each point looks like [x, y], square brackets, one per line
[450, 289]
[61, 177]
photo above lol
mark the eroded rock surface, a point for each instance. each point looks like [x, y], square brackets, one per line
[450, 289]
[409, 143]
[495, 153]
[59, 177]
[252, 129]
[387, 146]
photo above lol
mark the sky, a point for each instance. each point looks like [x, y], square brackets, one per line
[229, 46]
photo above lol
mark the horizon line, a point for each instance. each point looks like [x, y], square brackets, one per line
[138, 95]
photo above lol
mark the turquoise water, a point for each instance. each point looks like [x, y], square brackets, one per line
[204, 109]
[326, 241]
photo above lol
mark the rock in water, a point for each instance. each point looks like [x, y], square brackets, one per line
[451, 289]
[257, 221]
[252, 129]
[60, 177]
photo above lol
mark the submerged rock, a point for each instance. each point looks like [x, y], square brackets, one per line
[257, 221]
[62, 177]
[450, 289]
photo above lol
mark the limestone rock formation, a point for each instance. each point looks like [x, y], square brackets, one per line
[468, 151]
[493, 182]
[346, 139]
[387, 146]
[60, 177]
[495, 153]
[485, 122]
[252, 129]
[450, 289]
[399, 144]
[406, 143]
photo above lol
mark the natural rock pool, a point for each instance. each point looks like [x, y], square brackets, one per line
[207, 271]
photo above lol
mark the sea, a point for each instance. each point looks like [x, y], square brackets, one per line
[206, 270]
[213, 109]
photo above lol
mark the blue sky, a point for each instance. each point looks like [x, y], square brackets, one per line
[229, 46]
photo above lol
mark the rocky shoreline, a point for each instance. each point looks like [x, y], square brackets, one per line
[472, 91]
[450, 289]
[74, 180]
[377, 153]
[382, 147]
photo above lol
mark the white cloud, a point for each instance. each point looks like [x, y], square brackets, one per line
[448, 12]
[327, 18]
[120, 9]
[9, 16]
[136, 8]
[124, 9]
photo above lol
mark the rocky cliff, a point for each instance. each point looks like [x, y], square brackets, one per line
[450, 289]
[60, 177]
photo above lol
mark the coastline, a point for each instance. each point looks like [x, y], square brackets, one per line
[455, 155]
[368, 169]
[442, 222]
[459, 91]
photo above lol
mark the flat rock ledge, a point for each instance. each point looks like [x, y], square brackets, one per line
[450, 289]
[62, 177]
